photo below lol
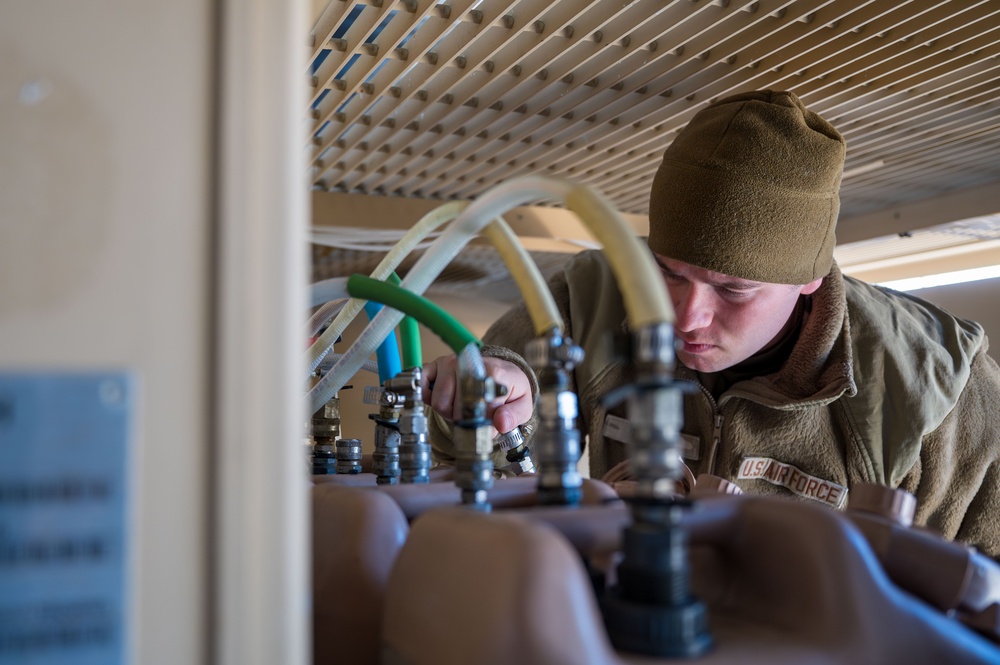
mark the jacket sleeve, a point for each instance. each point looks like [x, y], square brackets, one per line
[505, 339]
[957, 478]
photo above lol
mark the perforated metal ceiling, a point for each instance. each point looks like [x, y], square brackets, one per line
[431, 99]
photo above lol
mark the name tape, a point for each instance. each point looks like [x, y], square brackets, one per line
[620, 429]
[792, 479]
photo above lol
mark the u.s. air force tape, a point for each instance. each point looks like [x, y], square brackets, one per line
[792, 479]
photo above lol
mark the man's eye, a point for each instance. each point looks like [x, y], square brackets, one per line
[737, 294]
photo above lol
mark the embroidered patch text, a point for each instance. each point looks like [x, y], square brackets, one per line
[792, 479]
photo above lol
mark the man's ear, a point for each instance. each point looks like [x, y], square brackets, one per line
[811, 287]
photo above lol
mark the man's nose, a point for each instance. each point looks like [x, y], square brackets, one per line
[692, 308]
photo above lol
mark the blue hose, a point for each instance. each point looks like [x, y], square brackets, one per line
[387, 353]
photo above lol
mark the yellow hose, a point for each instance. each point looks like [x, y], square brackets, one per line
[537, 298]
[639, 279]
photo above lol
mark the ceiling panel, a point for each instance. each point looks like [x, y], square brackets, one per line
[435, 100]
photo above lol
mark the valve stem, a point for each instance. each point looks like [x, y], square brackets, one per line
[651, 611]
[557, 440]
[325, 430]
[474, 466]
[385, 459]
[414, 450]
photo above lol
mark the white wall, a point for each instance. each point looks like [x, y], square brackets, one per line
[105, 232]
[979, 301]
[152, 211]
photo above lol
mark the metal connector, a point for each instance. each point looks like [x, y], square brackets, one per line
[557, 440]
[349, 456]
[385, 458]
[325, 423]
[650, 611]
[414, 449]
[655, 410]
[517, 452]
[474, 466]
[324, 430]
[323, 459]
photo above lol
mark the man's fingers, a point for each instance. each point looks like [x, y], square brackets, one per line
[443, 395]
[503, 420]
[440, 385]
[428, 376]
[514, 407]
[513, 413]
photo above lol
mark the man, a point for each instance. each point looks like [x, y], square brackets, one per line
[807, 382]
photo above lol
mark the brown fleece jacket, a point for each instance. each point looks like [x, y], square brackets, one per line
[879, 387]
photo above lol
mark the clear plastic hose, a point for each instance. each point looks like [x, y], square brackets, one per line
[327, 290]
[411, 239]
[369, 365]
[492, 204]
[323, 315]
[541, 306]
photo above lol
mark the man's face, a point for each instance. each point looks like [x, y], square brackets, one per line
[723, 320]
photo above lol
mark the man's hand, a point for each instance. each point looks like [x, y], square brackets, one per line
[440, 378]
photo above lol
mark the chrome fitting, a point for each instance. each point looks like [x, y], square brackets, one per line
[473, 465]
[654, 345]
[414, 449]
[556, 442]
[349, 456]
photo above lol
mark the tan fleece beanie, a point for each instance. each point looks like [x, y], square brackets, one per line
[749, 189]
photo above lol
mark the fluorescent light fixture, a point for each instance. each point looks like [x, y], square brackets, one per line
[944, 279]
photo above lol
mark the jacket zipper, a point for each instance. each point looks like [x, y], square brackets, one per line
[717, 420]
[716, 441]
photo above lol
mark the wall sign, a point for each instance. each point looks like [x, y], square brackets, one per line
[64, 461]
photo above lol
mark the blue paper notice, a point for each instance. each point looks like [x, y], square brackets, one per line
[63, 517]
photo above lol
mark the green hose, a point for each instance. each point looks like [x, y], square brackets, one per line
[409, 341]
[443, 324]
[409, 334]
